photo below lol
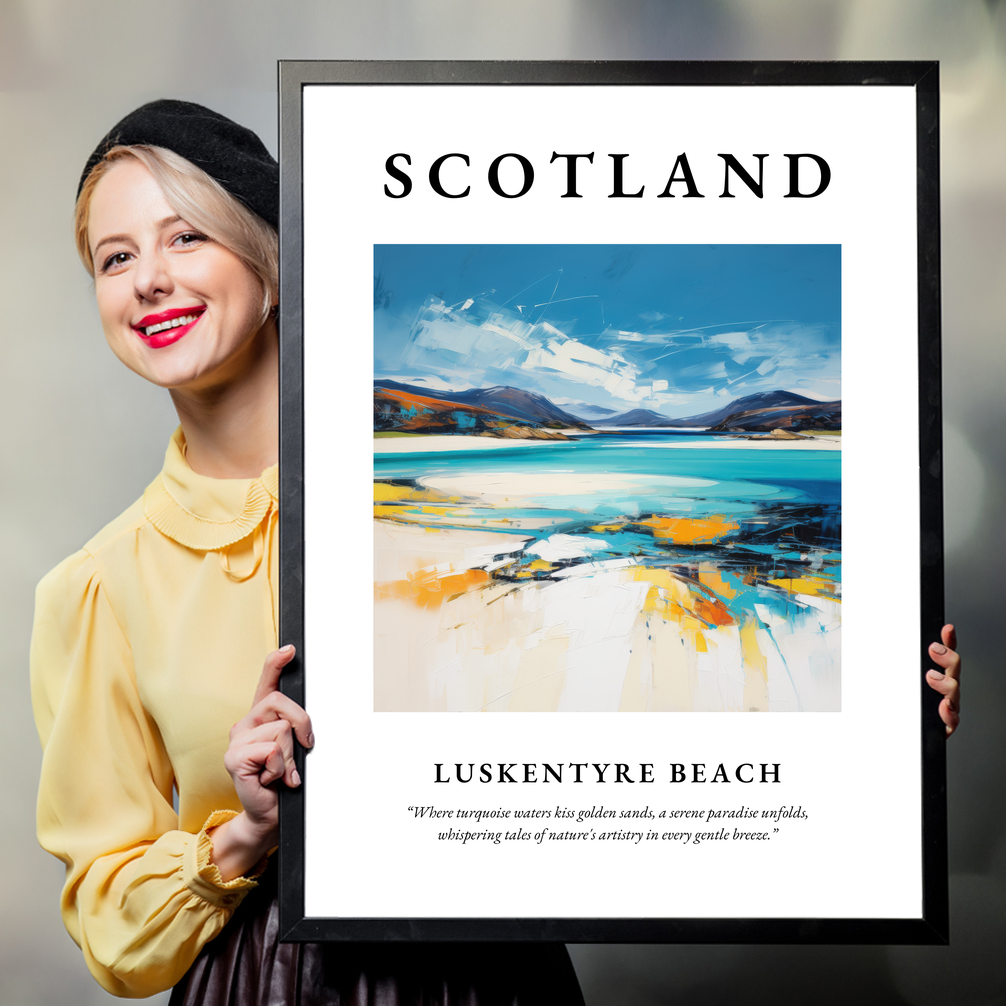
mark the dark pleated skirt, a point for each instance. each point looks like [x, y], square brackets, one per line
[246, 965]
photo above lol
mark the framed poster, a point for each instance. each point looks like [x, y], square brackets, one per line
[611, 501]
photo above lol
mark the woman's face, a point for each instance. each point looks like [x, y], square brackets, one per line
[177, 308]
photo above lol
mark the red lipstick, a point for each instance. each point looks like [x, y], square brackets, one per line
[165, 332]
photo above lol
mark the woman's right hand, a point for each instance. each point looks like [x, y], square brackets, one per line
[260, 753]
[948, 681]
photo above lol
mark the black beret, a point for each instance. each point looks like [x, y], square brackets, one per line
[231, 154]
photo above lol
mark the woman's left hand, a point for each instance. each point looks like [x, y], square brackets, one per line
[260, 754]
[948, 681]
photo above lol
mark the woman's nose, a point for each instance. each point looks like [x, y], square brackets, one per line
[152, 277]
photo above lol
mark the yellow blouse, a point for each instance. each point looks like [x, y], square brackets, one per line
[147, 647]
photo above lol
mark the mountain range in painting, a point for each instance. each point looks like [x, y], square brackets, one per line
[760, 412]
[500, 411]
[511, 412]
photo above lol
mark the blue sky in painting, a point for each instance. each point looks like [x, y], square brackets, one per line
[679, 329]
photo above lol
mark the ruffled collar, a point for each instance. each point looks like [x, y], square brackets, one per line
[203, 513]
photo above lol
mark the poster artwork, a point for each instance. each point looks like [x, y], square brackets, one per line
[646, 347]
[607, 478]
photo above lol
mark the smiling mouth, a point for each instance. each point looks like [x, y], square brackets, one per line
[167, 327]
[185, 319]
[166, 322]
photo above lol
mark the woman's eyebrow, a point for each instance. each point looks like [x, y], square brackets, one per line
[160, 225]
[109, 240]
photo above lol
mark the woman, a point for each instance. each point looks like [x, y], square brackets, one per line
[149, 642]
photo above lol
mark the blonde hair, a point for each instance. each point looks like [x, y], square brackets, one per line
[199, 200]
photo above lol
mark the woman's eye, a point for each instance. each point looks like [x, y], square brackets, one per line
[190, 238]
[114, 261]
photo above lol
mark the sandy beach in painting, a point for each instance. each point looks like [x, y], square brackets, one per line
[480, 605]
[433, 444]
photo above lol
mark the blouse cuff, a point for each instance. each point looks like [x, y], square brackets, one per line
[202, 876]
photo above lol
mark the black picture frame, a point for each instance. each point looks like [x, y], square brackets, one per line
[931, 927]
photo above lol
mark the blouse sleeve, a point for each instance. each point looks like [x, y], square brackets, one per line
[141, 898]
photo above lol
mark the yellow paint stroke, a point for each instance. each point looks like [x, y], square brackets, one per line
[420, 514]
[689, 530]
[528, 570]
[608, 528]
[755, 696]
[400, 502]
[680, 600]
[386, 492]
[814, 586]
[750, 650]
[430, 588]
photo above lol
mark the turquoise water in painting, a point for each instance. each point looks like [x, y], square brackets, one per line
[651, 454]
[784, 504]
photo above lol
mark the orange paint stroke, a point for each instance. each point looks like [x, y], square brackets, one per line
[429, 588]
[678, 599]
[689, 530]
[712, 578]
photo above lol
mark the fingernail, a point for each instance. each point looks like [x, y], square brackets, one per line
[310, 740]
[936, 675]
[938, 648]
[295, 777]
[287, 649]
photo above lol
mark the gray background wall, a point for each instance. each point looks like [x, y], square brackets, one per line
[81, 436]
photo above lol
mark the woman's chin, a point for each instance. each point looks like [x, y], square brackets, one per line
[196, 365]
[173, 374]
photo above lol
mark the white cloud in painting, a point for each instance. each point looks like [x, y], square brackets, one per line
[456, 341]
[586, 366]
[734, 340]
[477, 343]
